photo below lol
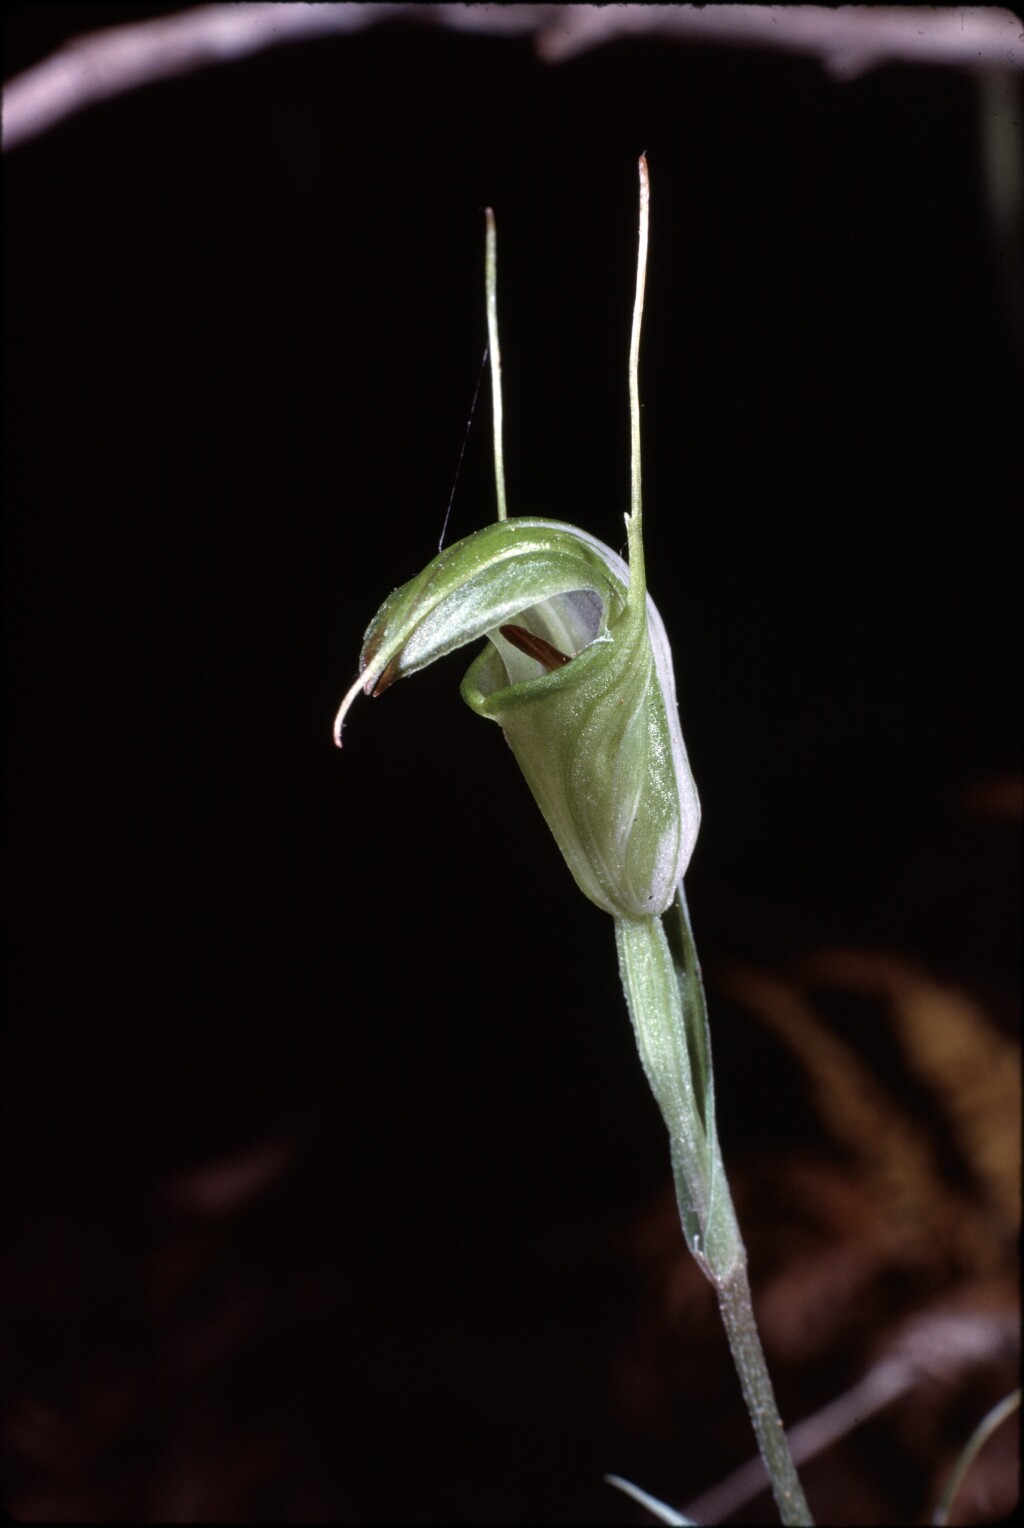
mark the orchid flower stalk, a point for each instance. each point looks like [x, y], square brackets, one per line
[577, 671]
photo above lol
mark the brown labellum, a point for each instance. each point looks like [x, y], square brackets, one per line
[535, 647]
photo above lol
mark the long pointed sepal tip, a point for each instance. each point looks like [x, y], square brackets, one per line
[339, 721]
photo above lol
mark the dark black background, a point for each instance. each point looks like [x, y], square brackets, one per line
[243, 320]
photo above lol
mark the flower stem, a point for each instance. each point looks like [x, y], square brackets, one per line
[661, 977]
[748, 1356]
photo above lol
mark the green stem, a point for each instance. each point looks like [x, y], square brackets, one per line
[638, 574]
[491, 284]
[748, 1356]
[661, 978]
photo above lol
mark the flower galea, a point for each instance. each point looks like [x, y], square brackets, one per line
[577, 671]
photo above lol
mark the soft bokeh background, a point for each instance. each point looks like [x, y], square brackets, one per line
[333, 1190]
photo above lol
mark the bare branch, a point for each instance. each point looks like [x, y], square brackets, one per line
[109, 63]
[847, 41]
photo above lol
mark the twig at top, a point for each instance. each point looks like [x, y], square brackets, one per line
[847, 42]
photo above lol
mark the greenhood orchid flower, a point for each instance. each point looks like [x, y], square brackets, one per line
[577, 671]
